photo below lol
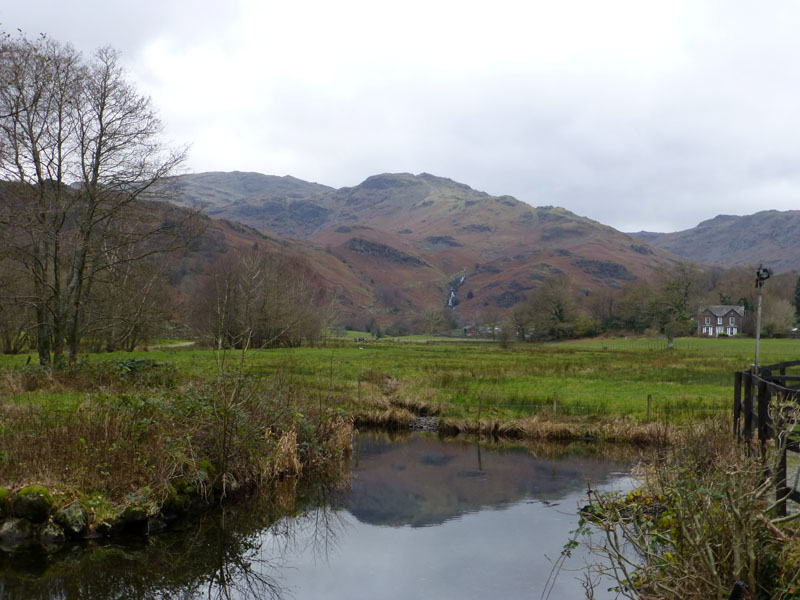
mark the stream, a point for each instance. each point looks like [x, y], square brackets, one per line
[418, 517]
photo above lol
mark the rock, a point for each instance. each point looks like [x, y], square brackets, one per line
[33, 503]
[15, 530]
[134, 514]
[72, 518]
[109, 527]
[425, 424]
[52, 533]
[206, 471]
[175, 502]
[154, 525]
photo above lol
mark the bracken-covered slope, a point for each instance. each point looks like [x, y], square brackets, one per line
[770, 237]
[416, 241]
[189, 266]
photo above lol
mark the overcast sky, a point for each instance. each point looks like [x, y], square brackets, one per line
[638, 114]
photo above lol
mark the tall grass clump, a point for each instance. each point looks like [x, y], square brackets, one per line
[702, 518]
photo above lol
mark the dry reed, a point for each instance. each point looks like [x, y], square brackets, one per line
[618, 430]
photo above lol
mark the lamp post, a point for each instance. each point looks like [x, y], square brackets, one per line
[762, 274]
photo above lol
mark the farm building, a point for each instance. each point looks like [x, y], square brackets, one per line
[717, 320]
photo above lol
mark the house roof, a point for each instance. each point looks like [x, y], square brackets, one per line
[720, 310]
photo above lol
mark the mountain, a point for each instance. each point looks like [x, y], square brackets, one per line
[188, 267]
[770, 237]
[266, 202]
[398, 243]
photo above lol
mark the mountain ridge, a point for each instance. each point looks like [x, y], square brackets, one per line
[768, 237]
[416, 241]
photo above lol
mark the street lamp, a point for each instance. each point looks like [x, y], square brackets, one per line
[762, 274]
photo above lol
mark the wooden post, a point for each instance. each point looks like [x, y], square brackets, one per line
[769, 430]
[480, 406]
[763, 416]
[781, 490]
[747, 378]
[555, 402]
[737, 404]
[649, 405]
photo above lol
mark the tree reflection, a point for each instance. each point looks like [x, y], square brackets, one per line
[219, 555]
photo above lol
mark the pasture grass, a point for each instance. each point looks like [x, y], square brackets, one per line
[586, 377]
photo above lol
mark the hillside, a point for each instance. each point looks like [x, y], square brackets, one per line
[284, 205]
[398, 243]
[769, 237]
[189, 266]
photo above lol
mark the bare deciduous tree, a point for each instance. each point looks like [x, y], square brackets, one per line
[259, 299]
[80, 151]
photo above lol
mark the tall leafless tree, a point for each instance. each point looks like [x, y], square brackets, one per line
[258, 298]
[81, 154]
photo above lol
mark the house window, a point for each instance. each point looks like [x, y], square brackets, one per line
[719, 320]
[708, 320]
[732, 321]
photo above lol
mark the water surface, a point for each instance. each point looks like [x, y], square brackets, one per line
[420, 518]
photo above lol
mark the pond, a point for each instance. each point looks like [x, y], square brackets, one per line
[419, 518]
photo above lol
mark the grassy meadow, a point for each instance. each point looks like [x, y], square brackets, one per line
[144, 427]
[607, 377]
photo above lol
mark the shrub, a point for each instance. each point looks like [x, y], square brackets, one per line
[698, 522]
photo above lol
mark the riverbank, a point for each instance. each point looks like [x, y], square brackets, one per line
[703, 516]
[117, 447]
[129, 445]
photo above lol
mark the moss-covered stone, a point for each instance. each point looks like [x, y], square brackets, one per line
[52, 533]
[186, 487]
[33, 503]
[175, 501]
[15, 530]
[72, 518]
[133, 514]
[155, 525]
[207, 471]
[109, 527]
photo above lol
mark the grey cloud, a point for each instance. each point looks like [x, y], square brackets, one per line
[654, 138]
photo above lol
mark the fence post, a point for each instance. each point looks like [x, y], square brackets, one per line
[763, 416]
[480, 406]
[649, 404]
[737, 404]
[781, 490]
[748, 406]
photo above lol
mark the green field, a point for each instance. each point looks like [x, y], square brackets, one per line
[587, 377]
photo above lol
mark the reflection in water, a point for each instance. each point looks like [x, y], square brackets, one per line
[428, 482]
[423, 519]
[217, 555]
